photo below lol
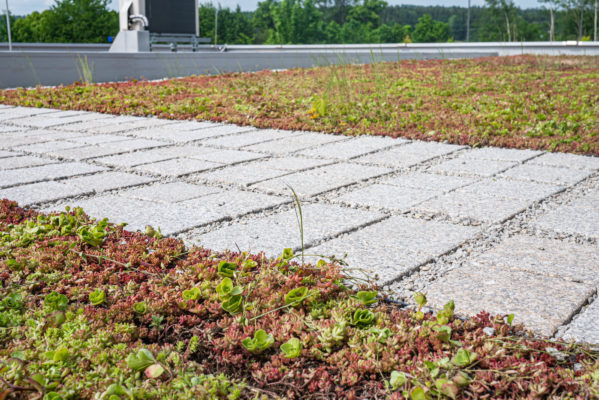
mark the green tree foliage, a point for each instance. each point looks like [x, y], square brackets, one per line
[68, 21]
[427, 30]
[327, 21]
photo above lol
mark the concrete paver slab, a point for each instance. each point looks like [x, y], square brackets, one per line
[4, 154]
[567, 161]
[104, 181]
[386, 196]
[177, 167]
[171, 219]
[542, 302]
[427, 181]
[551, 257]
[478, 207]
[23, 162]
[294, 163]
[463, 165]
[322, 179]
[140, 157]
[47, 148]
[409, 154]
[494, 153]
[586, 327]
[294, 144]
[224, 156]
[169, 192]
[242, 175]
[501, 187]
[394, 247]
[45, 173]
[579, 217]
[241, 140]
[274, 233]
[40, 192]
[547, 174]
[352, 148]
[235, 203]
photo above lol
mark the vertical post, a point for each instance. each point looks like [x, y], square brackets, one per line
[468, 23]
[581, 21]
[8, 27]
[216, 26]
[552, 27]
[197, 10]
[595, 22]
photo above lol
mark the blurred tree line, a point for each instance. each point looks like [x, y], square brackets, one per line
[328, 21]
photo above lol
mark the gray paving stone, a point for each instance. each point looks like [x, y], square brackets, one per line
[4, 154]
[567, 161]
[578, 217]
[17, 140]
[171, 219]
[177, 167]
[396, 246]
[294, 163]
[501, 187]
[422, 180]
[352, 148]
[173, 134]
[218, 130]
[93, 151]
[238, 141]
[542, 303]
[141, 157]
[56, 119]
[494, 153]
[19, 112]
[109, 127]
[98, 139]
[295, 144]
[323, 179]
[106, 181]
[551, 257]
[478, 207]
[47, 148]
[9, 129]
[34, 193]
[386, 196]
[169, 192]
[224, 156]
[547, 174]
[242, 175]
[46, 172]
[191, 125]
[23, 162]
[409, 154]
[273, 233]
[235, 203]
[585, 328]
[469, 166]
[52, 134]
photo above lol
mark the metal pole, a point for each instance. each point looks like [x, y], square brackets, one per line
[8, 27]
[468, 23]
[216, 26]
[595, 22]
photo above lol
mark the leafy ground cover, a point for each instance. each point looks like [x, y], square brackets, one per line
[548, 103]
[89, 310]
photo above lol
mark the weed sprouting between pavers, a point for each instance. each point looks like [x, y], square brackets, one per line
[89, 310]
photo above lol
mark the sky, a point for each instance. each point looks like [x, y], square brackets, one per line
[22, 7]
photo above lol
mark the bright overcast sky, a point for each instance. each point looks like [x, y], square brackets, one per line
[21, 7]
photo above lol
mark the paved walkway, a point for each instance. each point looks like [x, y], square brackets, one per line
[508, 231]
